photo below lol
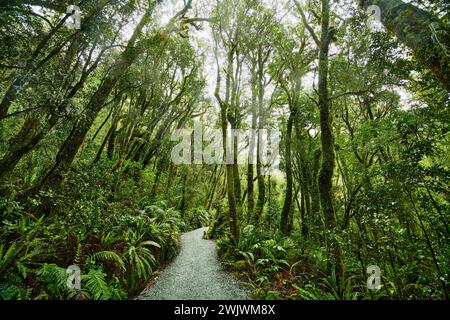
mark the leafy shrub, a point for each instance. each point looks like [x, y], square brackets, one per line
[196, 218]
[111, 230]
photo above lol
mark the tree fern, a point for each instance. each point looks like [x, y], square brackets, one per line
[139, 257]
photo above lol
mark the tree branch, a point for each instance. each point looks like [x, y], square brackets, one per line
[305, 22]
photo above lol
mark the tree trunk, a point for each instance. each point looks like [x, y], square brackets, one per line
[414, 28]
[259, 173]
[31, 67]
[20, 145]
[29, 137]
[224, 105]
[237, 179]
[251, 155]
[288, 159]
[327, 169]
[230, 183]
[73, 142]
[183, 192]
[304, 228]
[315, 194]
[110, 132]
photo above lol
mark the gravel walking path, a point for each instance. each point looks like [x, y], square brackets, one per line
[196, 274]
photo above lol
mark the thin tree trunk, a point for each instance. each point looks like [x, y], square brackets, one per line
[288, 159]
[251, 155]
[429, 244]
[20, 145]
[111, 131]
[183, 193]
[259, 173]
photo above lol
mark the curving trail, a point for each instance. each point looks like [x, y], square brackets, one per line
[196, 274]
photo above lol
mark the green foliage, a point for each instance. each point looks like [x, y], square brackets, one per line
[99, 289]
[9, 291]
[103, 256]
[56, 279]
[197, 218]
[138, 256]
[117, 247]
[86, 176]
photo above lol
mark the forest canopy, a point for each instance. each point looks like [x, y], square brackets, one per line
[329, 123]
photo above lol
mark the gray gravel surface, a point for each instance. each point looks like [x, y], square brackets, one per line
[196, 274]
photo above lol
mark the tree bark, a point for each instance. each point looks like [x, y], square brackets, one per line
[414, 28]
[327, 168]
[224, 105]
[20, 145]
[31, 67]
[259, 173]
[73, 142]
[284, 226]
[251, 155]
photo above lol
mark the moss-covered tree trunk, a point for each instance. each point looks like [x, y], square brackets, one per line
[327, 168]
[419, 30]
[251, 155]
[32, 132]
[259, 165]
[285, 213]
[20, 145]
[229, 170]
[73, 142]
[32, 66]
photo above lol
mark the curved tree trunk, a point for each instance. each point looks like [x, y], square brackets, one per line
[73, 142]
[414, 28]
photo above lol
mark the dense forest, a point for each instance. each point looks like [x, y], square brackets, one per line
[92, 112]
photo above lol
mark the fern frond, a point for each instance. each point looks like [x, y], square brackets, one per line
[8, 256]
[109, 256]
[78, 255]
[55, 276]
[9, 291]
[150, 243]
[96, 285]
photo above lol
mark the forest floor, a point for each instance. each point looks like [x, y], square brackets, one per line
[196, 274]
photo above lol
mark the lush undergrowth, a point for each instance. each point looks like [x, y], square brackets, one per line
[102, 222]
[108, 131]
[279, 267]
[275, 266]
